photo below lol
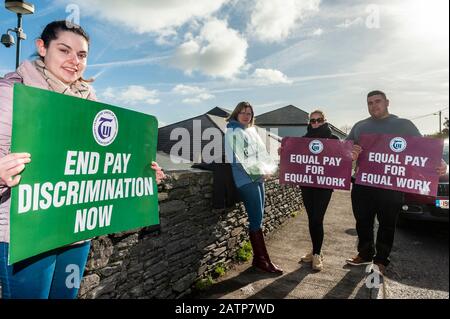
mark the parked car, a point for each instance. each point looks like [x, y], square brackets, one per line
[429, 207]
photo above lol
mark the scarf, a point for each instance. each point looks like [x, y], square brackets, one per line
[78, 88]
[322, 131]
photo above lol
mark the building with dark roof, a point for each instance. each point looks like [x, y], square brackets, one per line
[200, 139]
[289, 121]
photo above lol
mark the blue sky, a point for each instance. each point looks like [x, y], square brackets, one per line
[179, 58]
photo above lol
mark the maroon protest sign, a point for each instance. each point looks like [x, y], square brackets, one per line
[406, 164]
[322, 163]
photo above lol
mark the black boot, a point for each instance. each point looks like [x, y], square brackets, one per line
[261, 259]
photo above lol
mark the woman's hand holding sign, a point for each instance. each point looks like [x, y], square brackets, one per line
[10, 166]
[159, 172]
[356, 150]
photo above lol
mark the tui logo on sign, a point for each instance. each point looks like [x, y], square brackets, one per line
[316, 147]
[398, 144]
[105, 127]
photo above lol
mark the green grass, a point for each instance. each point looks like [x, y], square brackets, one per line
[204, 283]
[245, 252]
[219, 271]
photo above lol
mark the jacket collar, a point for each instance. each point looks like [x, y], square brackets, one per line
[235, 124]
[31, 76]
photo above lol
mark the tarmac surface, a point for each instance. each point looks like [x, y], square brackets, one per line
[419, 264]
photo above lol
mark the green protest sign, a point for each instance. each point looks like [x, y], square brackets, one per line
[89, 174]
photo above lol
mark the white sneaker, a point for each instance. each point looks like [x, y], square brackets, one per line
[307, 258]
[317, 263]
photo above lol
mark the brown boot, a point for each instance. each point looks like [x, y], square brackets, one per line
[261, 259]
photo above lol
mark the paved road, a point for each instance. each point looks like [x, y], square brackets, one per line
[419, 266]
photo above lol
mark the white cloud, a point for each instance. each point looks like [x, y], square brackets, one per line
[270, 76]
[186, 89]
[205, 96]
[128, 62]
[131, 95]
[350, 23]
[427, 22]
[217, 51]
[274, 20]
[198, 94]
[416, 82]
[318, 32]
[270, 104]
[149, 16]
[199, 98]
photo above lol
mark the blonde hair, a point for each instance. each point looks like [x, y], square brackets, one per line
[238, 109]
[322, 113]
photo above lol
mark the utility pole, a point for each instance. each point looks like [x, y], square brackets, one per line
[440, 120]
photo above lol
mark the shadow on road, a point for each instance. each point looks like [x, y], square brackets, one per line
[243, 279]
[281, 287]
[345, 287]
[420, 255]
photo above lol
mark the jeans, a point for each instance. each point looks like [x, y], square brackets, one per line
[51, 275]
[316, 201]
[368, 202]
[253, 197]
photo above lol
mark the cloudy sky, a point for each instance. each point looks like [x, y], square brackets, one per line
[179, 58]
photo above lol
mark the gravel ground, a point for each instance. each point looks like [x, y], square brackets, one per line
[420, 267]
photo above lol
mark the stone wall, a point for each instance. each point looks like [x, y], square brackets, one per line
[194, 238]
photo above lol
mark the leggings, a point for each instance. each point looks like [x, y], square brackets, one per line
[52, 275]
[316, 201]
